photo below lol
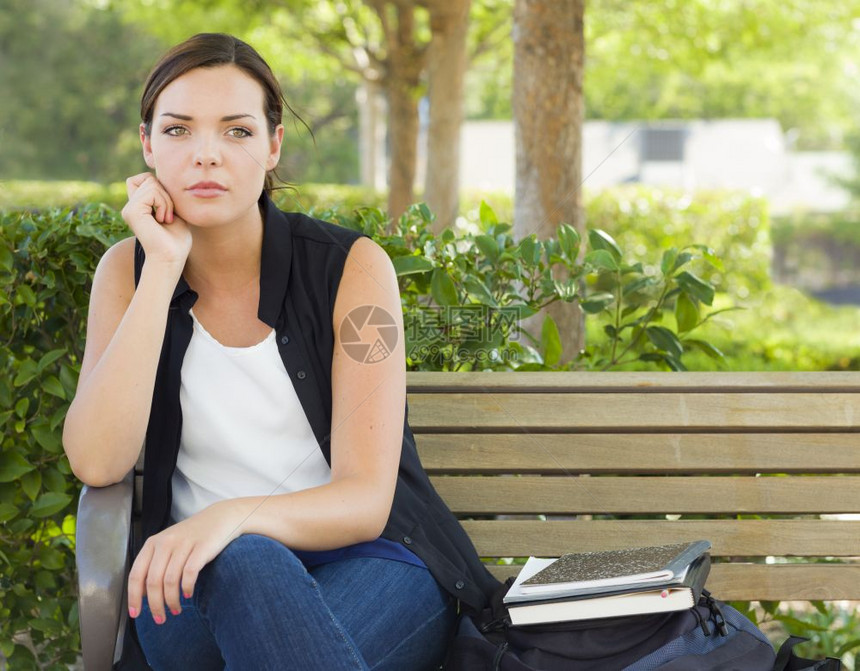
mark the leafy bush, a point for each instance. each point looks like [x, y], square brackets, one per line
[733, 224]
[817, 250]
[464, 295]
[644, 221]
[46, 265]
[24, 194]
[801, 334]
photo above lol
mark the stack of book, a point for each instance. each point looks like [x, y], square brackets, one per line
[591, 585]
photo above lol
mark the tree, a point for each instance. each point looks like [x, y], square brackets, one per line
[67, 111]
[400, 47]
[446, 67]
[549, 52]
[791, 60]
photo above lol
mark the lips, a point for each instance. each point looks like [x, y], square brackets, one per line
[207, 189]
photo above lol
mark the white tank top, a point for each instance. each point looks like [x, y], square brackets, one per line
[244, 431]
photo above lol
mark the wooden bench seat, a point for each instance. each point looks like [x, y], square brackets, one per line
[546, 463]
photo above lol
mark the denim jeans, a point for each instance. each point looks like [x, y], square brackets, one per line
[256, 606]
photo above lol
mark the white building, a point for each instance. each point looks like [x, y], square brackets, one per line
[750, 154]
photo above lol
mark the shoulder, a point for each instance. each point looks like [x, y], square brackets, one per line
[368, 279]
[368, 261]
[306, 229]
[116, 267]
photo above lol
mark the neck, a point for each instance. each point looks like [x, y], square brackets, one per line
[226, 258]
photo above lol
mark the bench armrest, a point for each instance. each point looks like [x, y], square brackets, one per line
[102, 541]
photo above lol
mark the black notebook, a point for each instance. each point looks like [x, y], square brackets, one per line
[632, 599]
[658, 564]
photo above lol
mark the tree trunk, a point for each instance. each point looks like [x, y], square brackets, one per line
[369, 121]
[404, 65]
[549, 55]
[446, 67]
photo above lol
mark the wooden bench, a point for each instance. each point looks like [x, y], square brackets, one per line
[546, 463]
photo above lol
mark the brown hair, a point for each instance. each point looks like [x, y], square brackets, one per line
[206, 50]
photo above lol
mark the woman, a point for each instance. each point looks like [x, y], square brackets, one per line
[287, 522]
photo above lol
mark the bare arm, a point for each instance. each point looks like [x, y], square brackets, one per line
[106, 422]
[368, 401]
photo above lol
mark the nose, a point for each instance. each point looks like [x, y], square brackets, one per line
[206, 152]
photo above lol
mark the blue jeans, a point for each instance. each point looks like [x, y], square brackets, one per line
[256, 606]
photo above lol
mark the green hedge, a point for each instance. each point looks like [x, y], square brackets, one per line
[46, 265]
[18, 195]
[644, 221]
[817, 250]
[735, 225]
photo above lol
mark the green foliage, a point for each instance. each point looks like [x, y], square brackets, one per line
[46, 265]
[70, 82]
[791, 60]
[801, 333]
[464, 295]
[818, 250]
[732, 224]
[321, 198]
[832, 628]
[833, 631]
[33, 194]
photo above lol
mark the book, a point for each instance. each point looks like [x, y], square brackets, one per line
[633, 599]
[585, 570]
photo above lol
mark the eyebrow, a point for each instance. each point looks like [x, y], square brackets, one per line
[229, 117]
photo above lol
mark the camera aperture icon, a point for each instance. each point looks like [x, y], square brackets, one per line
[368, 334]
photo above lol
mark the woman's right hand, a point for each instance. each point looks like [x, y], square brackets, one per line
[149, 213]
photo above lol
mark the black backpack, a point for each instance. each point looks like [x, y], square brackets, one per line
[712, 636]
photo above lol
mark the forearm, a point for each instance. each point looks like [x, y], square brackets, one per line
[106, 422]
[344, 512]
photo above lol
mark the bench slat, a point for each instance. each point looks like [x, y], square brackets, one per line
[754, 582]
[642, 495]
[640, 453]
[641, 382]
[629, 413]
[744, 538]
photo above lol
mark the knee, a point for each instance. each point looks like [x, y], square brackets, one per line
[255, 558]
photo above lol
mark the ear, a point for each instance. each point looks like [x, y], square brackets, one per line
[146, 143]
[275, 141]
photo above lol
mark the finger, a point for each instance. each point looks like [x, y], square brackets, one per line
[136, 578]
[193, 566]
[155, 585]
[134, 182]
[161, 204]
[172, 575]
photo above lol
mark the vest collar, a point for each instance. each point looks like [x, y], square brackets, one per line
[276, 255]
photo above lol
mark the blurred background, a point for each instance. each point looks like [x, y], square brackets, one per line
[661, 107]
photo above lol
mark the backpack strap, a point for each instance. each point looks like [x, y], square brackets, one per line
[787, 660]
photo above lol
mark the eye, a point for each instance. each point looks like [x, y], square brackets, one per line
[175, 131]
[239, 132]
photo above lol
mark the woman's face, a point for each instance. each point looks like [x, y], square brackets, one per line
[210, 146]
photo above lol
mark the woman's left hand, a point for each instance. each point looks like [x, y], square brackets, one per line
[174, 557]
